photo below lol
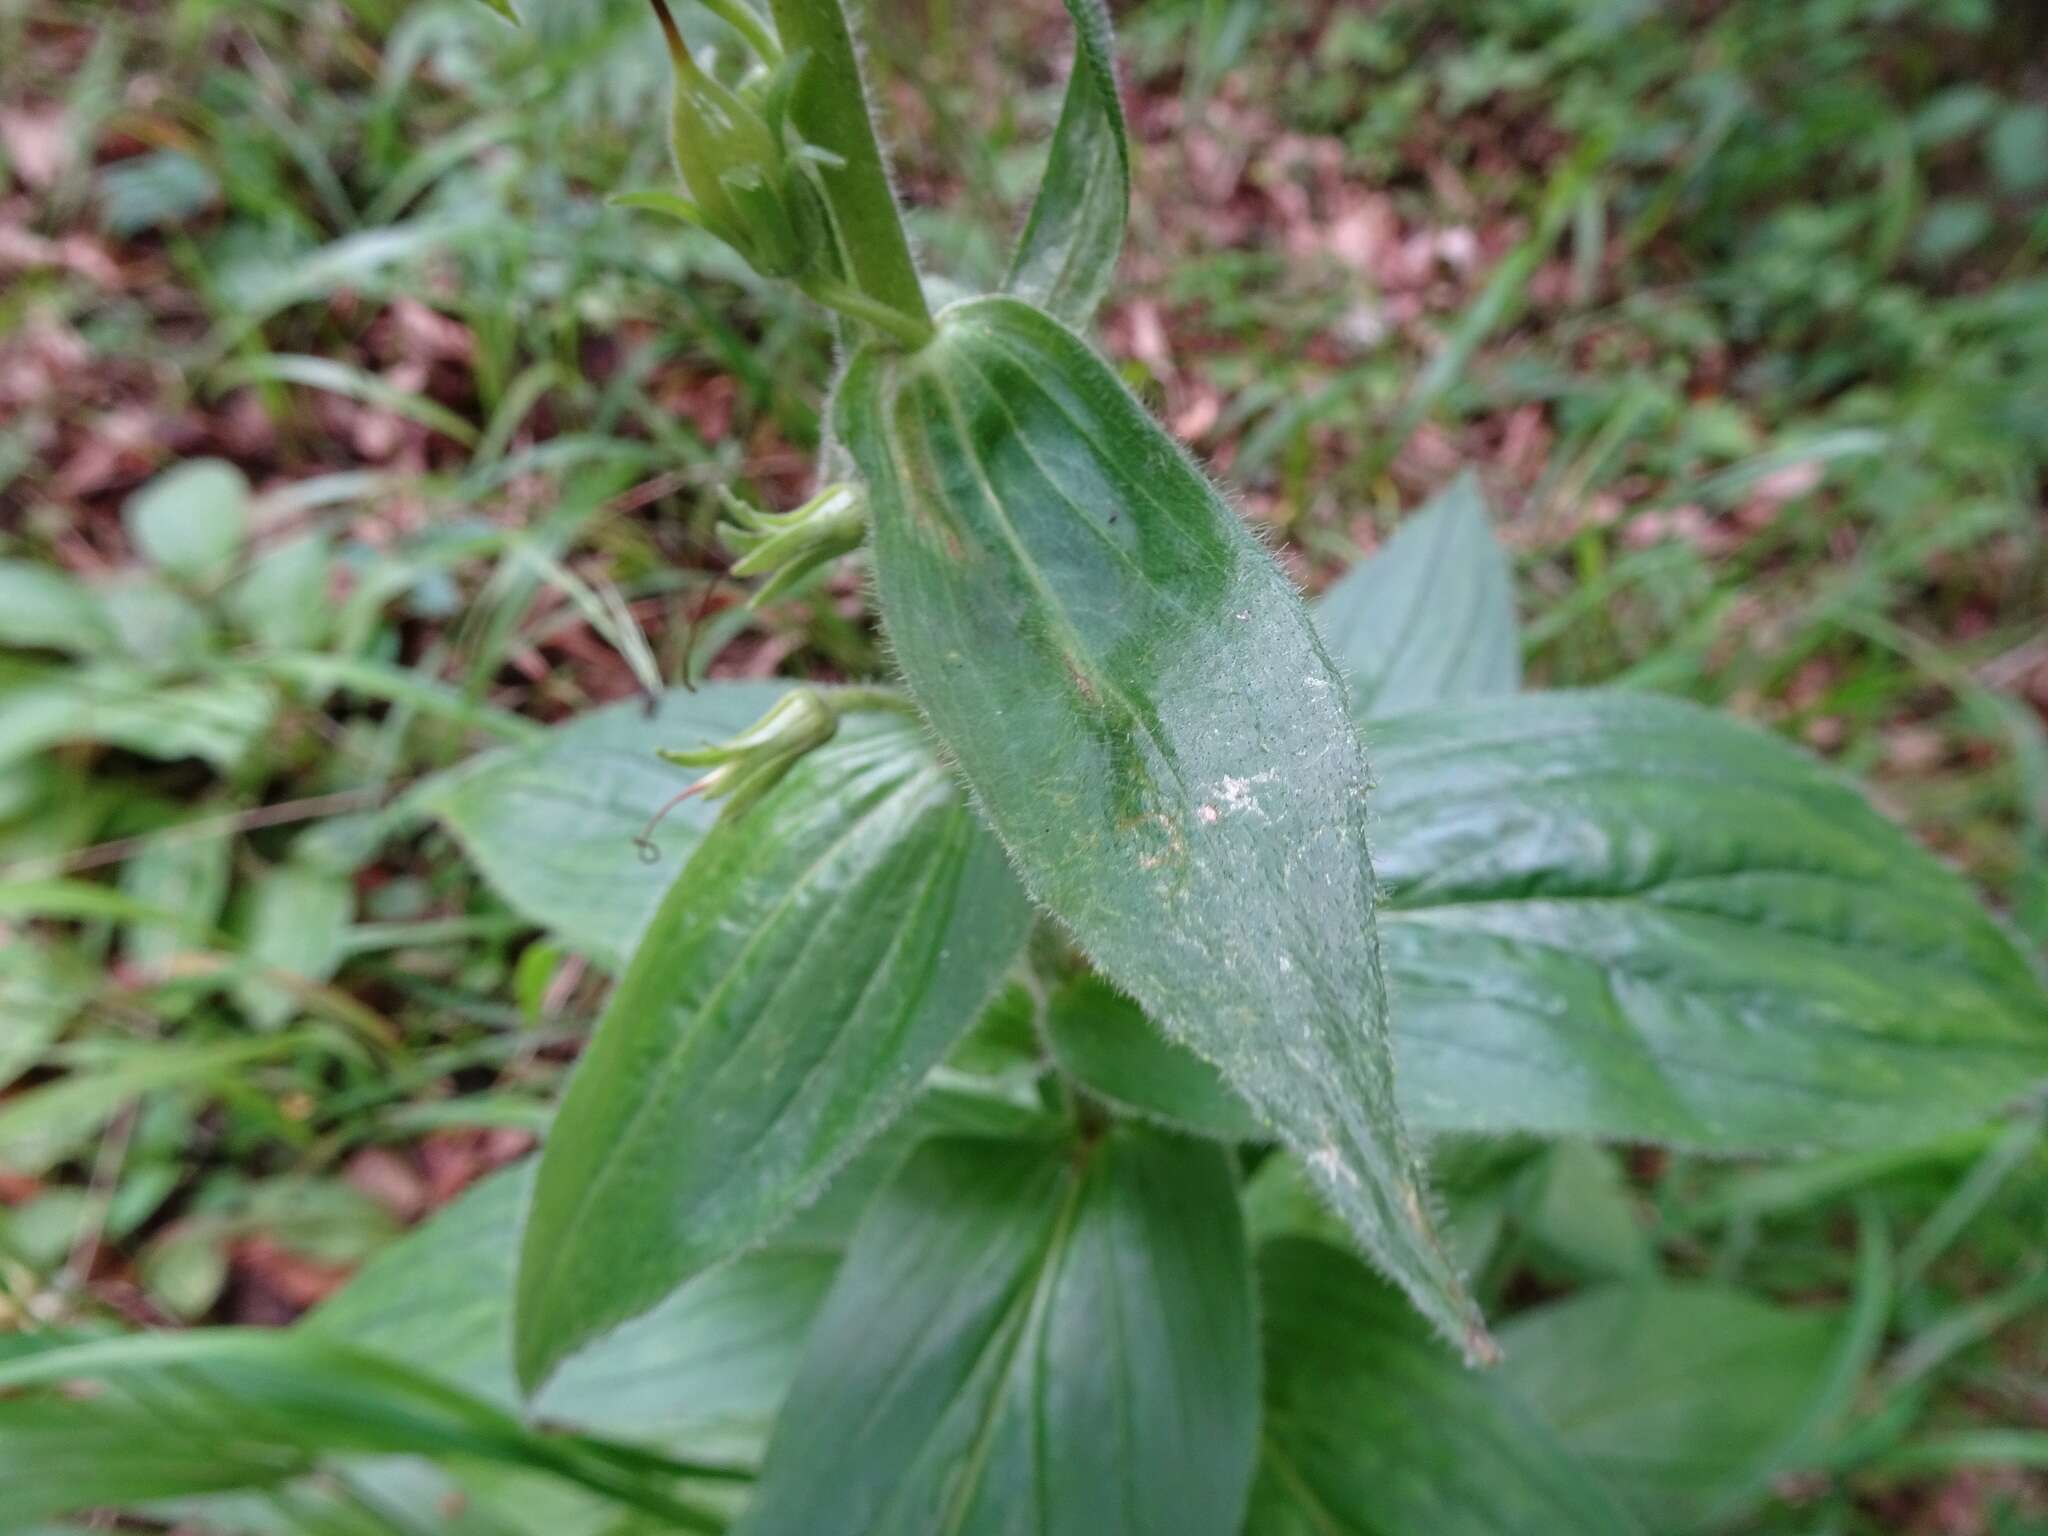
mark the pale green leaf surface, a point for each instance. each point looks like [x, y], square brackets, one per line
[216, 719]
[1678, 1394]
[1140, 702]
[1372, 1429]
[812, 962]
[1024, 1338]
[1430, 618]
[190, 519]
[47, 609]
[1066, 257]
[553, 826]
[298, 914]
[1619, 916]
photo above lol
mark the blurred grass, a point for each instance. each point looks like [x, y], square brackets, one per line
[1739, 308]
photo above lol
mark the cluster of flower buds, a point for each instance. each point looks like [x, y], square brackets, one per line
[752, 763]
[787, 546]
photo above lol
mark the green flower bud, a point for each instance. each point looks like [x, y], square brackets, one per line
[755, 761]
[731, 162]
[787, 546]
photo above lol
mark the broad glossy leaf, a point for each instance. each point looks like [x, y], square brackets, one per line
[1373, 1429]
[1678, 1395]
[1619, 916]
[702, 1374]
[1429, 619]
[813, 961]
[1148, 720]
[1027, 1338]
[553, 826]
[1103, 1040]
[1066, 257]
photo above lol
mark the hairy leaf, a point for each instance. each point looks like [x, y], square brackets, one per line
[1620, 916]
[1372, 1429]
[1029, 1338]
[1142, 707]
[1430, 619]
[815, 958]
[553, 826]
[1066, 257]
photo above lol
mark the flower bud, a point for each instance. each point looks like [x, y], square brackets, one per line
[755, 761]
[787, 546]
[732, 163]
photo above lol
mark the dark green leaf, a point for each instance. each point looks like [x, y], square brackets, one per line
[1679, 1395]
[1372, 1429]
[553, 826]
[1066, 257]
[815, 958]
[1147, 718]
[1103, 1040]
[1029, 1339]
[1430, 619]
[1619, 916]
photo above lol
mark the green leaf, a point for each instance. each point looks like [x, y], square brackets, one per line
[1430, 619]
[41, 987]
[2017, 149]
[554, 826]
[1578, 1209]
[1103, 1040]
[48, 1123]
[1697, 1390]
[704, 1372]
[812, 962]
[281, 599]
[1372, 1429]
[1148, 720]
[251, 1407]
[217, 719]
[190, 519]
[185, 877]
[297, 917]
[44, 609]
[1619, 916]
[1025, 1337]
[1066, 257]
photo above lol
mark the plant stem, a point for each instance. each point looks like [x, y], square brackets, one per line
[829, 108]
[863, 699]
[912, 330]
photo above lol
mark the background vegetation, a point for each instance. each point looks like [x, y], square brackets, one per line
[345, 428]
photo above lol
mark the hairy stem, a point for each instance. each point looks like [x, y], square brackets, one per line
[830, 109]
